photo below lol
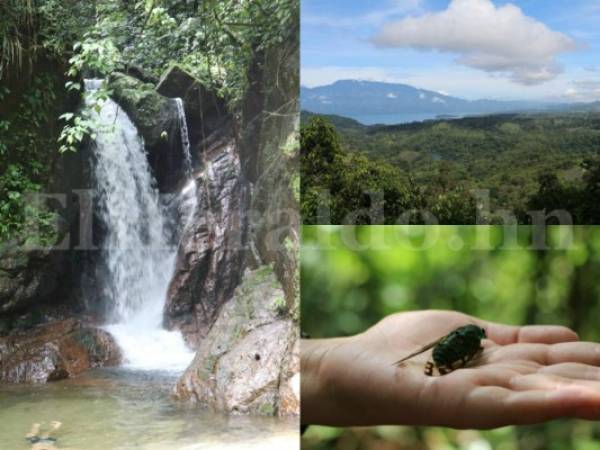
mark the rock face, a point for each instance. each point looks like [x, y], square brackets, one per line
[246, 218]
[55, 351]
[211, 254]
[156, 119]
[247, 363]
[27, 277]
[269, 150]
[205, 111]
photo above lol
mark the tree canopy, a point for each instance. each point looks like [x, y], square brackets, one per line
[521, 163]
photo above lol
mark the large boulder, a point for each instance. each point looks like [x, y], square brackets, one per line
[212, 250]
[156, 118]
[55, 351]
[247, 363]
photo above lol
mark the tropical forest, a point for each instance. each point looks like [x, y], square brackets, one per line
[502, 168]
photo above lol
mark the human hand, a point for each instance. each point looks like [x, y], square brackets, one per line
[525, 375]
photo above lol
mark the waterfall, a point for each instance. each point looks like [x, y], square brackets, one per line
[188, 200]
[136, 252]
[185, 137]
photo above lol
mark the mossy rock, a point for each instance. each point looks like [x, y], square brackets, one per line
[152, 113]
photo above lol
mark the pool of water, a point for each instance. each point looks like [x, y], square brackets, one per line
[121, 409]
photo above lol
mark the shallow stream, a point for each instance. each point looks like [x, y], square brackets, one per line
[121, 409]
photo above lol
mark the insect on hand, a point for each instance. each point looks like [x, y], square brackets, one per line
[452, 351]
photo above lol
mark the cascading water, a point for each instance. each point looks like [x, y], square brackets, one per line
[189, 197]
[185, 137]
[136, 250]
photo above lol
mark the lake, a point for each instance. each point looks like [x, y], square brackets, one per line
[394, 119]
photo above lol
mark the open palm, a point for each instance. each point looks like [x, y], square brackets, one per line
[525, 375]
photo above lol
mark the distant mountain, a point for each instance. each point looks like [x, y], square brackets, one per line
[584, 107]
[357, 98]
[337, 121]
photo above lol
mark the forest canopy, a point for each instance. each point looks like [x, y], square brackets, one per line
[461, 171]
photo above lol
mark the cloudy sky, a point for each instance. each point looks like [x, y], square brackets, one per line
[503, 49]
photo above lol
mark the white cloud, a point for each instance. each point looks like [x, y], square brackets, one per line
[438, 100]
[583, 91]
[391, 95]
[422, 96]
[497, 40]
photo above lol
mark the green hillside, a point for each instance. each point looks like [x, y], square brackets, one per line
[527, 162]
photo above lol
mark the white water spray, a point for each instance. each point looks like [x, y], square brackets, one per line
[136, 250]
[185, 137]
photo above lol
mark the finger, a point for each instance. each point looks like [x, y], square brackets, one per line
[580, 352]
[492, 406]
[551, 382]
[577, 352]
[537, 406]
[576, 371]
[544, 334]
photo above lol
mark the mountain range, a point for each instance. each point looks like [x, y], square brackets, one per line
[359, 98]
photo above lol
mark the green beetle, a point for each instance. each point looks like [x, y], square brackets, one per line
[452, 351]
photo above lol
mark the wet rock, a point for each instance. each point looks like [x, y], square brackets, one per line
[27, 277]
[156, 119]
[248, 362]
[141, 74]
[211, 255]
[205, 111]
[55, 351]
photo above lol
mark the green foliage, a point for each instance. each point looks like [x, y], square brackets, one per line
[20, 215]
[30, 29]
[581, 201]
[73, 134]
[24, 160]
[17, 32]
[353, 277]
[95, 55]
[350, 184]
[81, 125]
[231, 33]
[445, 161]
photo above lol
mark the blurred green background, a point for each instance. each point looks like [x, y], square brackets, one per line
[354, 276]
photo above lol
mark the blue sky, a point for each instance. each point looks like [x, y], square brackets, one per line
[519, 49]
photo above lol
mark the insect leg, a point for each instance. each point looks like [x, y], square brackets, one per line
[477, 353]
[468, 358]
[444, 370]
[429, 368]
